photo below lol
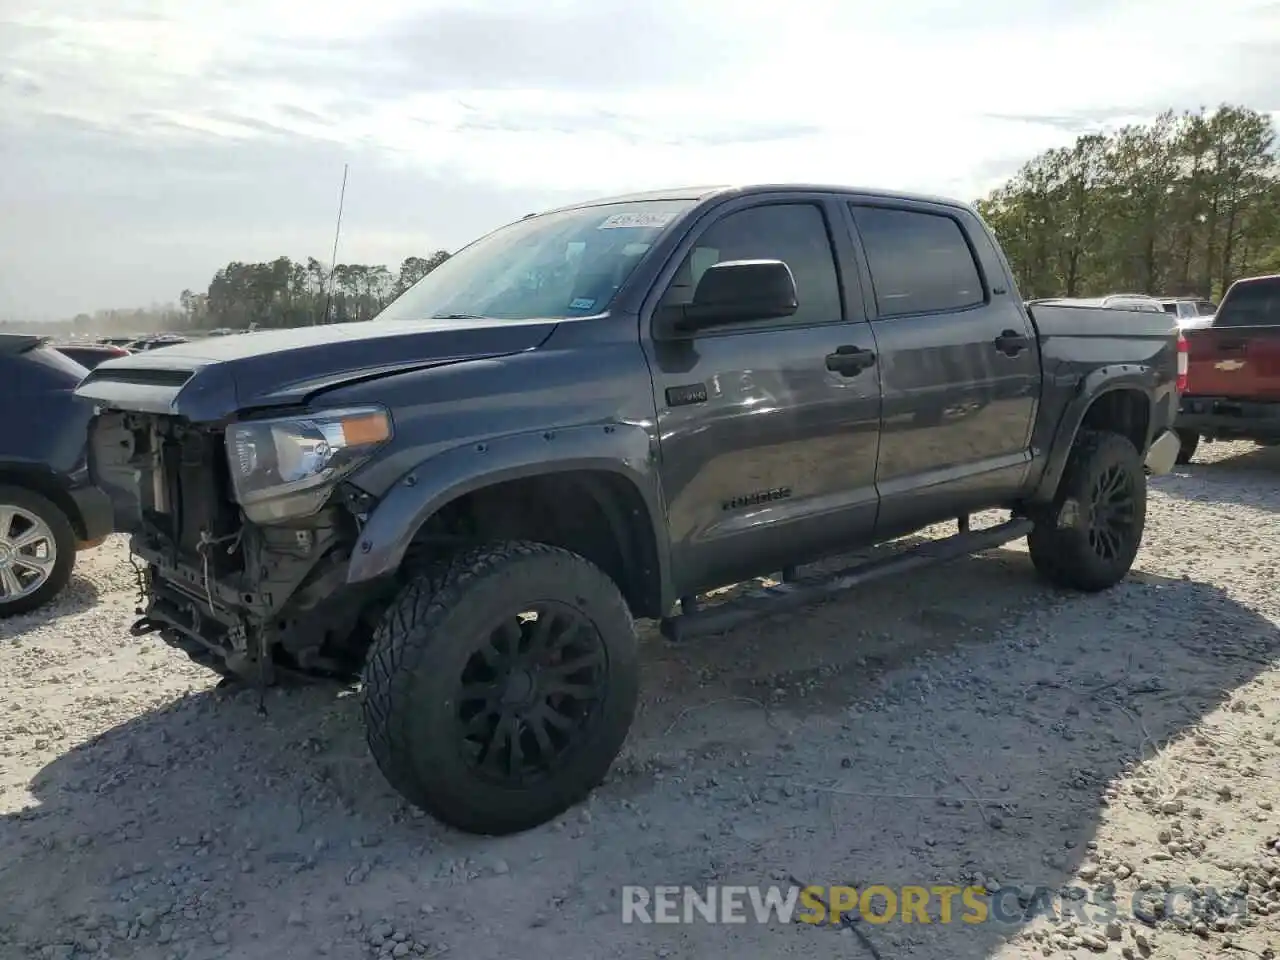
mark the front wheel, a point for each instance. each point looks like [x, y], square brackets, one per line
[500, 686]
[1092, 535]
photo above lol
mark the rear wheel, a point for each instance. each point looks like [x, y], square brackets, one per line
[1190, 441]
[500, 686]
[1092, 535]
[37, 550]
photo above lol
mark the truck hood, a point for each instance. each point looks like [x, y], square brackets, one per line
[212, 379]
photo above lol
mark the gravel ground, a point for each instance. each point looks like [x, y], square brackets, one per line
[966, 726]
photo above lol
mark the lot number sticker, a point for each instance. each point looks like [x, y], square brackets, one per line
[646, 220]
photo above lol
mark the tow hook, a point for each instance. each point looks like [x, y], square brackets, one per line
[144, 626]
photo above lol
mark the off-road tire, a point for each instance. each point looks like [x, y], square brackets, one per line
[1190, 441]
[419, 652]
[1065, 555]
[64, 538]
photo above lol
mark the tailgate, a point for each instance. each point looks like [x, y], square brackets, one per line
[1239, 355]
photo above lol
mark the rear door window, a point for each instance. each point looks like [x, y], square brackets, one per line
[1252, 304]
[920, 262]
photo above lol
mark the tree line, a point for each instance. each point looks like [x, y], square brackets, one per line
[279, 293]
[1181, 206]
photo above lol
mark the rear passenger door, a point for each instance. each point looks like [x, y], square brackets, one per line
[960, 367]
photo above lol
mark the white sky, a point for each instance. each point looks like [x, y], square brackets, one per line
[144, 143]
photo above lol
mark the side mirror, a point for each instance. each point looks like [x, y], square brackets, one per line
[735, 291]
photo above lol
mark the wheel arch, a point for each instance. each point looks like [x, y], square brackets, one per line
[1117, 399]
[590, 490]
[41, 480]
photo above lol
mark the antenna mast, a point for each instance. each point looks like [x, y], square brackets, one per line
[333, 260]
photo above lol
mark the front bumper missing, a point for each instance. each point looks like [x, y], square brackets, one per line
[1163, 454]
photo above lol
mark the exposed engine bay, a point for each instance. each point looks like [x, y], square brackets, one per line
[249, 599]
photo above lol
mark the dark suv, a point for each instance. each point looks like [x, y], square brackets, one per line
[48, 508]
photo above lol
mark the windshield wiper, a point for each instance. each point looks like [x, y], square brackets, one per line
[457, 316]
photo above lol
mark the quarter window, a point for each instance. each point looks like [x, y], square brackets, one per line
[920, 262]
[795, 233]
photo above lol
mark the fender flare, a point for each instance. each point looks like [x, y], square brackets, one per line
[1094, 385]
[624, 449]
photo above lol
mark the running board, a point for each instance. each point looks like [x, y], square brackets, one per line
[767, 601]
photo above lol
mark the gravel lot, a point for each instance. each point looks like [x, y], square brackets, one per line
[967, 726]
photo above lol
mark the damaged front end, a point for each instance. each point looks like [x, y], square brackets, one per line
[242, 534]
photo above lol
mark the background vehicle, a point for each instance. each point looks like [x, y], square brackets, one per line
[1191, 313]
[1233, 370]
[48, 507]
[89, 355]
[155, 342]
[1115, 301]
[598, 412]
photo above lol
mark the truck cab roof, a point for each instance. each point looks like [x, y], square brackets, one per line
[705, 193]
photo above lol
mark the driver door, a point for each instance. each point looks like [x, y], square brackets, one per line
[768, 450]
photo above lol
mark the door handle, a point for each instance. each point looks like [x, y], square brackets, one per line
[849, 361]
[1011, 343]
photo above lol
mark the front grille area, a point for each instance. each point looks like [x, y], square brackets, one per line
[197, 495]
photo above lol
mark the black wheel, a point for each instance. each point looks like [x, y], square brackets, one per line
[1190, 441]
[1089, 540]
[500, 686]
[37, 550]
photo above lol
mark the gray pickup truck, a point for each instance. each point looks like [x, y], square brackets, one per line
[597, 414]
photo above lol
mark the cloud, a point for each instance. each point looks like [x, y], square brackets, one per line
[159, 117]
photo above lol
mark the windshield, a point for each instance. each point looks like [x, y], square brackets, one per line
[565, 264]
[1255, 303]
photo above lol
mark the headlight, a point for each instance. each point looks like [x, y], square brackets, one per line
[286, 468]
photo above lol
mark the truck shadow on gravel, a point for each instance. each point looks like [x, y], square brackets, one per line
[961, 726]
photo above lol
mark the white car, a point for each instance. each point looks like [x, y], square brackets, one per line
[1116, 301]
[1190, 312]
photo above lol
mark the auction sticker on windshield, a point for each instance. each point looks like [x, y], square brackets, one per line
[649, 220]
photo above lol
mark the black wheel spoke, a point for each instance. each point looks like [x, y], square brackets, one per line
[570, 634]
[556, 720]
[541, 634]
[579, 691]
[504, 644]
[528, 694]
[515, 760]
[566, 668]
[495, 756]
[542, 737]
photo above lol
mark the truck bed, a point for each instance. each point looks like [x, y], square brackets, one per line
[1076, 320]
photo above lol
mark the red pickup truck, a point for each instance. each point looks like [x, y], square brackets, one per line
[1232, 389]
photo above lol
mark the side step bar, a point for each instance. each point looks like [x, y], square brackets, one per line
[767, 601]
